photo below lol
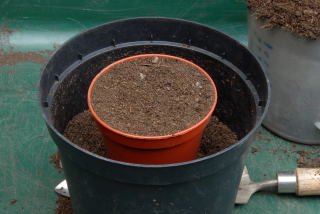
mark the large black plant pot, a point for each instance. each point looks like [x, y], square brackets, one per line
[203, 186]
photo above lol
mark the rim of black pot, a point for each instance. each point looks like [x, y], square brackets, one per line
[237, 144]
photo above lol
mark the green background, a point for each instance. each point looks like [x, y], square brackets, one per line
[43, 25]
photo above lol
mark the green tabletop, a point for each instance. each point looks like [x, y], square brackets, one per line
[29, 33]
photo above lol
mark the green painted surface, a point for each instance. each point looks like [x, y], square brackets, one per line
[25, 172]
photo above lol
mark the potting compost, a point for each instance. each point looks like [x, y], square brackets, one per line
[299, 16]
[63, 205]
[152, 96]
[82, 131]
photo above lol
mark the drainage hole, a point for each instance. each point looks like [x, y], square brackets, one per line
[56, 77]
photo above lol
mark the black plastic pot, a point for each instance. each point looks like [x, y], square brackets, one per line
[207, 185]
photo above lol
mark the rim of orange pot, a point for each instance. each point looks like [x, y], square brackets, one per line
[141, 137]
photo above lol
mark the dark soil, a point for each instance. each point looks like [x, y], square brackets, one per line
[152, 96]
[304, 162]
[13, 201]
[55, 160]
[254, 150]
[307, 159]
[217, 136]
[82, 131]
[13, 58]
[63, 205]
[301, 17]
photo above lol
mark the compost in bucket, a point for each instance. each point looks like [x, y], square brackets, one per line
[302, 17]
[152, 96]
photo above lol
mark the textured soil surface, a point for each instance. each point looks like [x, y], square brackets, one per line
[301, 17]
[83, 131]
[307, 159]
[217, 136]
[63, 205]
[152, 96]
[308, 163]
[55, 160]
[13, 58]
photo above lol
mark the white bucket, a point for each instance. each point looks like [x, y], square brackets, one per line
[293, 66]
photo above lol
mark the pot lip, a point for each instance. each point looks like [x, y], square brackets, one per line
[141, 137]
[187, 163]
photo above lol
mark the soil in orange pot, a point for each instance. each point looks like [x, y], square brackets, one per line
[152, 96]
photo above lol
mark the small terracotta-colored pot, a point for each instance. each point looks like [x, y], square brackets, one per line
[179, 147]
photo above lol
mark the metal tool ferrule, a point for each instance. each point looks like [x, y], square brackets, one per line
[287, 182]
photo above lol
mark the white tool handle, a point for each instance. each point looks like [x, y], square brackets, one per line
[308, 181]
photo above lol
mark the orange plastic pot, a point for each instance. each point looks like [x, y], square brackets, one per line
[179, 147]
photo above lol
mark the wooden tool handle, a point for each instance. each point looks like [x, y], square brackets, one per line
[308, 181]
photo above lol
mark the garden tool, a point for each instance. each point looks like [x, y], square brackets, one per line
[302, 182]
